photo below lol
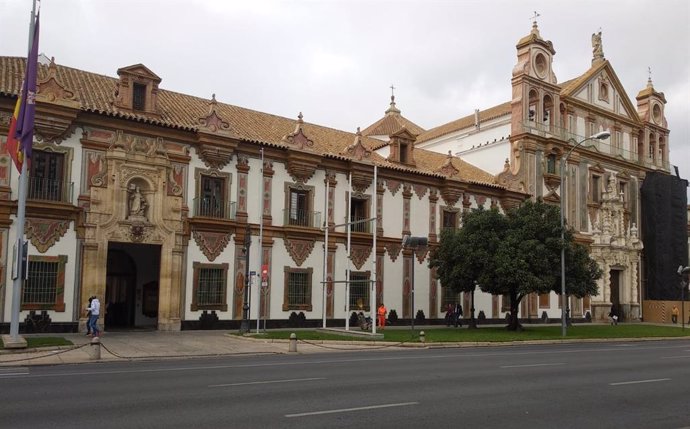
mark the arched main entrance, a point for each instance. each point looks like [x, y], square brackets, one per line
[131, 291]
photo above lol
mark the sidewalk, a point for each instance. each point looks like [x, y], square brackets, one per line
[127, 346]
[122, 346]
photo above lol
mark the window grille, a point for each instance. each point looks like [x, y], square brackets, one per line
[448, 296]
[211, 286]
[358, 212]
[359, 291]
[41, 285]
[299, 289]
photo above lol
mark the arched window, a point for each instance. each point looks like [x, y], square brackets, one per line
[548, 118]
[533, 106]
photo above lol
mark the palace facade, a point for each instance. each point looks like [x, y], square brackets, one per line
[168, 207]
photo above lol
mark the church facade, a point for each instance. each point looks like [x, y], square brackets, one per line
[543, 122]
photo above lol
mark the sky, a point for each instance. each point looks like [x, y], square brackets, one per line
[336, 60]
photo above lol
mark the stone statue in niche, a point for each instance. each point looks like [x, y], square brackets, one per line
[137, 204]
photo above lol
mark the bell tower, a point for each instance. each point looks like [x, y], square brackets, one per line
[535, 91]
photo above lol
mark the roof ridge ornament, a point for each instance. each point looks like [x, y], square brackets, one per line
[357, 149]
[448, 169]
[213, 122]
[52, 89]
[298, 137]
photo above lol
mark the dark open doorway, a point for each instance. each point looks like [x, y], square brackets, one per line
[131, 292]
[615, 292]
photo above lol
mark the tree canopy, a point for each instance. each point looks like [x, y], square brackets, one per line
[513, 254]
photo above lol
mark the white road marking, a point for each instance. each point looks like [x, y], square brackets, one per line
[639, 381]
[267, 382]
[532, 365]
[13, 373]
[676, 357]
[347, 410]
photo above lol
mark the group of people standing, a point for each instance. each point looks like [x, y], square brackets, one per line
[454, 314]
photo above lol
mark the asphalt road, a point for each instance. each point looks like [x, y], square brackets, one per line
[592, 385]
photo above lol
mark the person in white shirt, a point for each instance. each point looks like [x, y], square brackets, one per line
[95, 310]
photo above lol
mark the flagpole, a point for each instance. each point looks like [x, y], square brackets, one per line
[16, 340]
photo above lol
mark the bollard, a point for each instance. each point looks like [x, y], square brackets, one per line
[422, 337]
[95, 349]
[293, 343]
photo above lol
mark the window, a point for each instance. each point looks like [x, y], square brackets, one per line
[359, 291]
[299, 207]
[297, 295]
[211, 201]
[45, 285]
[359, 211]
[595, 189]
[403, 153]
[623, 191]
[505, 302]
[139, 97]
[551, 164]
[544, 300]
[46, 176]
[210, 284]
[448, 296]
[449, 219]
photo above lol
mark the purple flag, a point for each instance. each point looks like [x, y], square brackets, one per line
[27, 110]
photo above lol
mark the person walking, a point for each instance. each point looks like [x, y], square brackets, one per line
[457, 314]
[674, 314]
[94, 310]
[88, 318]
[382, 310]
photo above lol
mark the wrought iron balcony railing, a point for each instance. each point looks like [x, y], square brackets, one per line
[303, 218]
[50, 190]
[213, 208]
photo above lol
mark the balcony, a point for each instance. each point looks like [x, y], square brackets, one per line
[40, 189]
[303, 218]
[212, 208]
[364, 224]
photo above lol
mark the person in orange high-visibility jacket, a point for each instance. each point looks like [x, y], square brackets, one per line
[382, 316]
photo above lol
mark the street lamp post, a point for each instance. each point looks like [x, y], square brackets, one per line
[603, 135]
[413, 243]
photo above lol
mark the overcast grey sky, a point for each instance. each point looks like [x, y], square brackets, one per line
[335, 60]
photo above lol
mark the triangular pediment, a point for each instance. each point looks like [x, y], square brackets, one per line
[139, 70]
[607, 91]
[404, 134]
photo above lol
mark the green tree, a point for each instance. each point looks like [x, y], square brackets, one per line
[513, 255]
[465, 254]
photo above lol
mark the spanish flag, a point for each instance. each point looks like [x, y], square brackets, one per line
[21, 133]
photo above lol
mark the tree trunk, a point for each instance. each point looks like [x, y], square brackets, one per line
[514, 324]
[473, 321]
